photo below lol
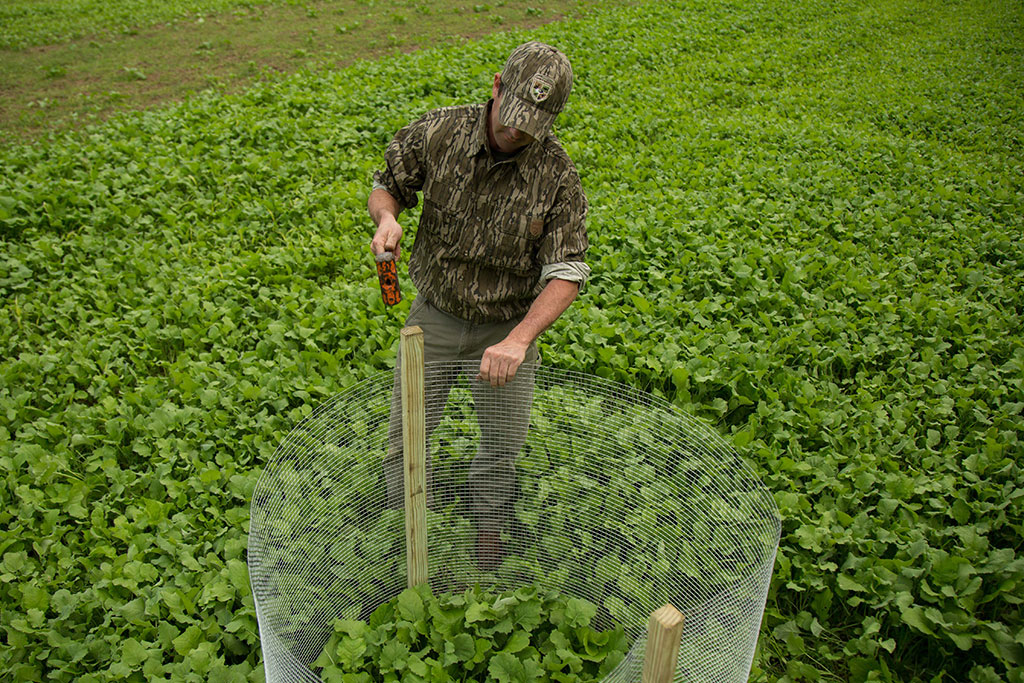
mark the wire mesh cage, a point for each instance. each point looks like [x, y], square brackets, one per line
[593, 489]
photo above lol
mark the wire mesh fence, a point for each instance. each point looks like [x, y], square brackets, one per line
[592, 489]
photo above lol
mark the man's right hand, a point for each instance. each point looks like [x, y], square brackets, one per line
[387, 238]
[384, 211]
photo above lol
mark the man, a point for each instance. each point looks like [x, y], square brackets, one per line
[498, 255]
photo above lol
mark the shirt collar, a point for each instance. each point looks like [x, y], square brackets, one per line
[522, 160]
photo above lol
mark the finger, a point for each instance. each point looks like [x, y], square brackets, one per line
[510, 373]
[378, 245]
[391, 242]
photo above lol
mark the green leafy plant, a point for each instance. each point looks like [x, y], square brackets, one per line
[510, 637]
[133, 73]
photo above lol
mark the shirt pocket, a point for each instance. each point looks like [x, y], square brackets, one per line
[445, 225]
[514, 241]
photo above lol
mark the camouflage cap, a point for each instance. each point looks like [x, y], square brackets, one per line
[537, 79]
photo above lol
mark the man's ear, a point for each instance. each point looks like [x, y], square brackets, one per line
[497, 84]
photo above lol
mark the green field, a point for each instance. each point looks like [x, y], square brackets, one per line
[806, 228]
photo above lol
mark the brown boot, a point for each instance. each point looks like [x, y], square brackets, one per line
[489, 553]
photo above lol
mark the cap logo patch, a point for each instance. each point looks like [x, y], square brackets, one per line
[540, 88]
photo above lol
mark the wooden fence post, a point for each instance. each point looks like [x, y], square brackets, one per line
[664, 632]
[414, 447]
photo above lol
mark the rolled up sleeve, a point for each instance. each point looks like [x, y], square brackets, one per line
[573, 271]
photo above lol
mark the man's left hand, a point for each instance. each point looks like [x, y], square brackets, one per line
[500, 362]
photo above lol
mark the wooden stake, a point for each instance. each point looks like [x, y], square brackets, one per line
[415, 449]
[664, 633]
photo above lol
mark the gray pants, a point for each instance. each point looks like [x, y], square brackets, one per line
[503, 413]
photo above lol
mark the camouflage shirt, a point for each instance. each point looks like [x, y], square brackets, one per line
[488, 223]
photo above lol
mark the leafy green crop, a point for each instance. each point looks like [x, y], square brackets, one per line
[805, 228]
[511, 637]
